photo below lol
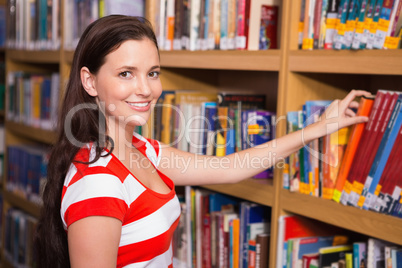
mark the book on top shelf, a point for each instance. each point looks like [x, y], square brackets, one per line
[331, 23]
[387, 11]
[263, 24]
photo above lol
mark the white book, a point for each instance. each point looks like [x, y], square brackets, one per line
[194, 23]
[255, 21]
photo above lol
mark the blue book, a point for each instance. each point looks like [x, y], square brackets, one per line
[217, 200]
[309, 119]
[359, 254]
[208, 113]
[250, 213]
[309, 245]
[383, 153]
[261, 131]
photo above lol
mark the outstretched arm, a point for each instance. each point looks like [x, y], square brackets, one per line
[188, 169]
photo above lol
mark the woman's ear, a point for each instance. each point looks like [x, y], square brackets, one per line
[88, 82]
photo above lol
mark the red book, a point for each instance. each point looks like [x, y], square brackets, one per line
[360, 155]
[388, 189]
[372, 146]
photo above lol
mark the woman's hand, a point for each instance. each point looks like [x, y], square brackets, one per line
[340, 114]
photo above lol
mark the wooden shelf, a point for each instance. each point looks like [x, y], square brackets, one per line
[380, 62]
[22, 203]
[69, 55]
[255, 190]
[37, 134]
[268, 60]
[362, 221]
[34, 56]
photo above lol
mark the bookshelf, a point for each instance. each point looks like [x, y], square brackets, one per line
[288, 77]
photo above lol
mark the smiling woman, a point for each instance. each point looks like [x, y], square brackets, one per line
[111, 215]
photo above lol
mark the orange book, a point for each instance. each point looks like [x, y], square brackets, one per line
[334, 148]
[366, 103]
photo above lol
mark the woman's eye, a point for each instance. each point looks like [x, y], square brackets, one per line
[125, 74]
[154, 74]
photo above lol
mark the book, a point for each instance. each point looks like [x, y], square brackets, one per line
[383, 24]
[363, 146]
[359, 254]
[255, 27]
[353, 13]
[310, 185]
[308, 33]
[250, 213]
[339, 37]
[328, 255]
[374, 24]
[375, 252]
[364, 109]
[317, 22]
[243, 13]
[312, 244]
[310, 260]
[294, 226]
[293, 124]
[262, 250]
[360, 24]
[331, 23]
[268, 27]
[383, 152]
[373, 145]
[334, 150]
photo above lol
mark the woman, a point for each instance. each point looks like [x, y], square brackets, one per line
[107, 203]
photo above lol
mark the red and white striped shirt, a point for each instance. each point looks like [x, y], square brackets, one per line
[107, 188]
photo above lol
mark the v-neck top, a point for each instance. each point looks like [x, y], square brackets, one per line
[107, 188]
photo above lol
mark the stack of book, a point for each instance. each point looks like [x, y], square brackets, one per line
[33, 99]
[209, 123]
[33, 25]
[217, 230]
[18, 240]
[350, 24]
[303, 242]
[215, 24]
[357, 166]
[27, 170]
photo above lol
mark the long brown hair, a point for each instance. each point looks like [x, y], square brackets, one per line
[86, 125]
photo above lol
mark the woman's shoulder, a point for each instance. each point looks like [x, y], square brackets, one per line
[149, 147]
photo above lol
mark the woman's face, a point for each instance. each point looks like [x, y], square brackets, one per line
[128, 83]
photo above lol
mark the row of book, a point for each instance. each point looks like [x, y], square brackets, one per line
[18, 240]
[350, 24]
[33, 99]
[357, 166]
[304, 242]
[33, 24]
[217, 230]
[79, 14]
[216, 24]
[27, 170]
[210, 123]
